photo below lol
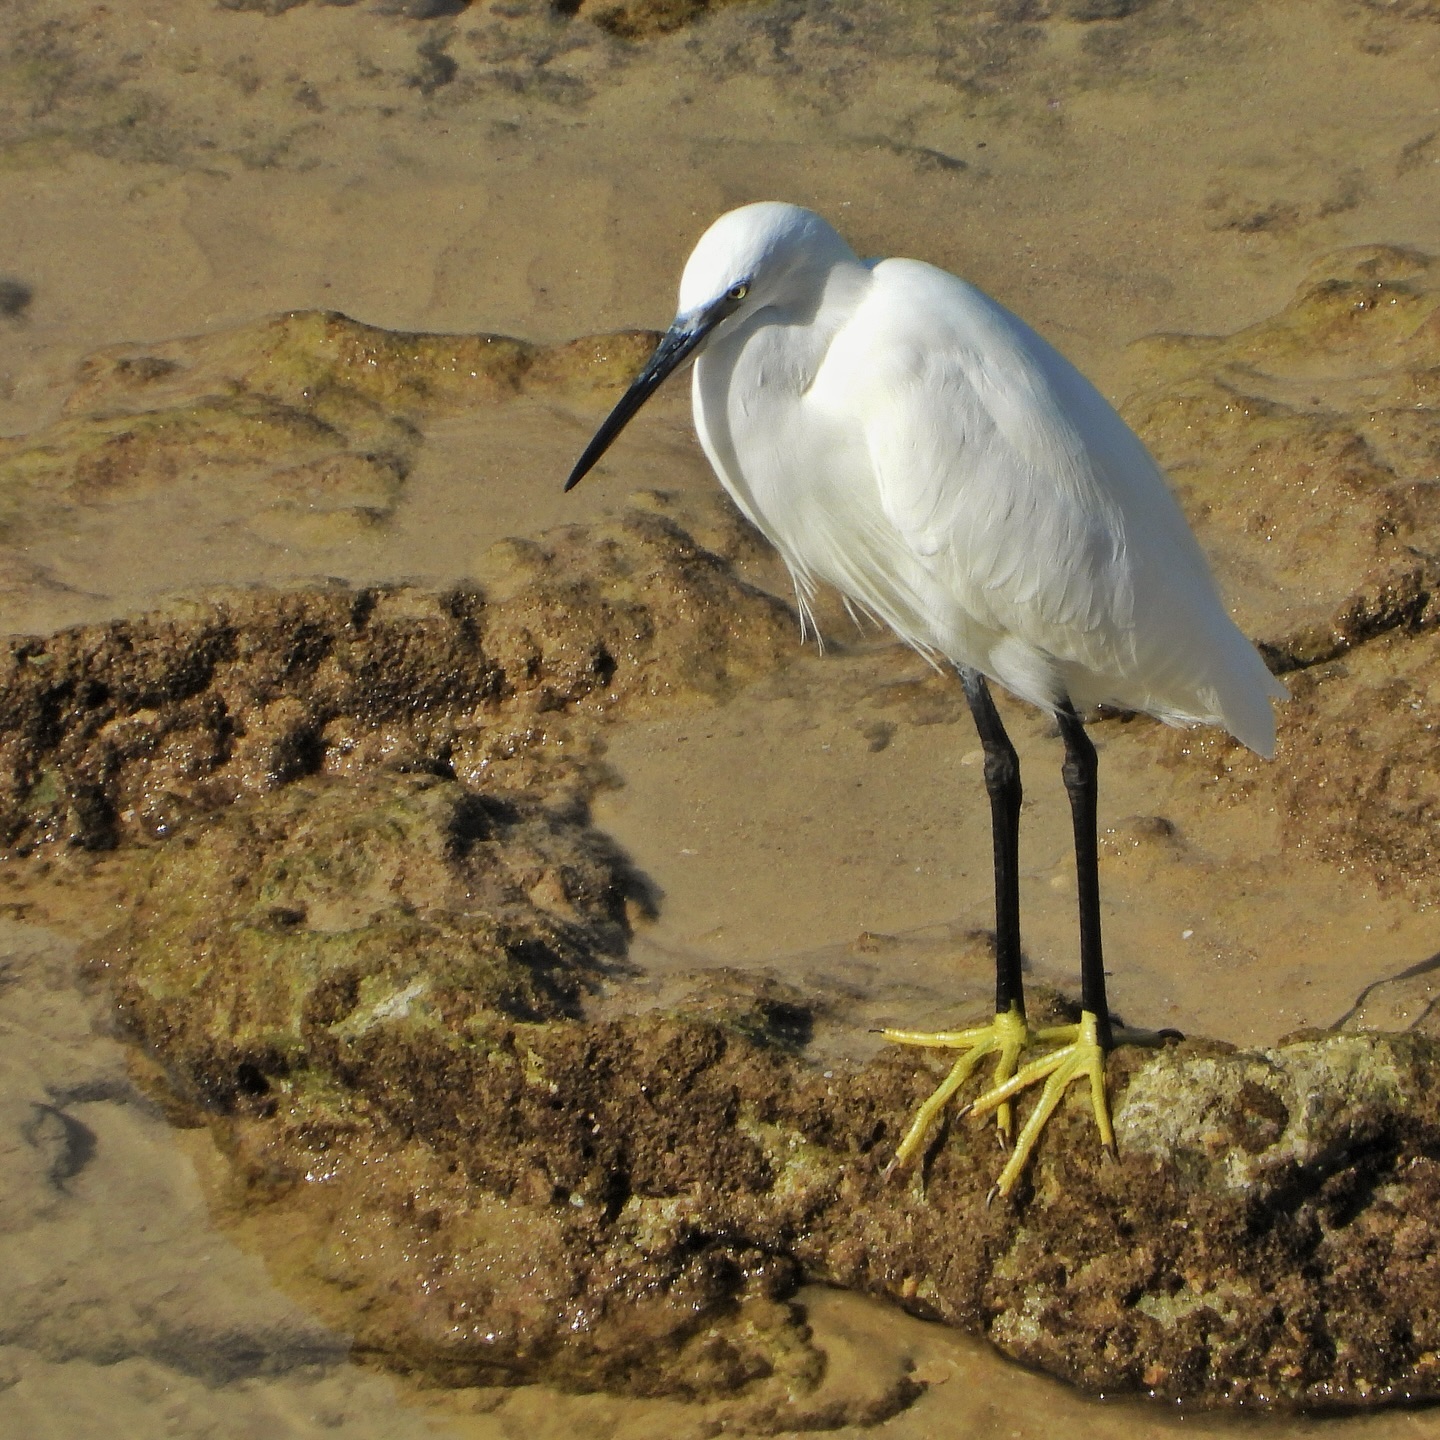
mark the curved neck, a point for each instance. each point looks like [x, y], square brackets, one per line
[798, 333]
[758, 368]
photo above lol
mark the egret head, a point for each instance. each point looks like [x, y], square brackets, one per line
[750, 259]
[777, 253]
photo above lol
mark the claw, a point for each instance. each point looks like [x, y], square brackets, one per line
[1080, 1056]
[1084, 1057]
[1004, 1037]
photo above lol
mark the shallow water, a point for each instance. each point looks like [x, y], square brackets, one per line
[167, 169]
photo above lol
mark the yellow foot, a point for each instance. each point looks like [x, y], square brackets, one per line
[1083, 1056]
[1004, 1037]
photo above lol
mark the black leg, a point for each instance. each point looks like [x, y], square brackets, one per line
[1080, 772]
[1002, 781]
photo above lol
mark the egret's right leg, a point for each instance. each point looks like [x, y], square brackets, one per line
[1008, 1034]
[1002, 782]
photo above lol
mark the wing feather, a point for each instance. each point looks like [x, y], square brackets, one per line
[978, 468]
[1025, 515]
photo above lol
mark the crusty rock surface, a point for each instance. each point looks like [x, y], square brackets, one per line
[305, 423]
[1313, 432]
[1305, 452]
[370, 989]
[129, 728]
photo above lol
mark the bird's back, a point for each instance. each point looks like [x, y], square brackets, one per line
[945, 467]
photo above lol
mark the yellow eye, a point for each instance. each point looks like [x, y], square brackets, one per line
[738, 292]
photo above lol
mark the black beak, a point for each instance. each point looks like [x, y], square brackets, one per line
[679, 342]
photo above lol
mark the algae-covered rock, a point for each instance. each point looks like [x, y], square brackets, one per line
[302, 429]
[342, 883]
[133, 727]
[1356, 780]
[1359, 782]
[1281, 1246]
[1313, 434]
[373, 990]
[1304, 449]
[386, 947]
[326, 364]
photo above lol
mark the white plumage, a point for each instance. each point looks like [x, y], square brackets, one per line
[899, 435]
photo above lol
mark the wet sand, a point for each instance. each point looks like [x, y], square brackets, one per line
[167, 170]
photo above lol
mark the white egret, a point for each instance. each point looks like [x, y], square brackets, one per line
[899, 435]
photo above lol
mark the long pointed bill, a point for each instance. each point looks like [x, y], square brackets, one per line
[676, 346]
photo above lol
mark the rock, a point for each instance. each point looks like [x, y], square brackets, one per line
[372, 991]
[135, 727]
[639, 19]
[1313, 432]
[282, 427]
[1354, 781]
[336, 369]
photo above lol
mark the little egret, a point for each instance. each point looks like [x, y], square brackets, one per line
[897, 434]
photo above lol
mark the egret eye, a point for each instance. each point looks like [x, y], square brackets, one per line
[737, 292]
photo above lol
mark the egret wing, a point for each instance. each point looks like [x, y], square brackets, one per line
[979, 466]
[1031, 532]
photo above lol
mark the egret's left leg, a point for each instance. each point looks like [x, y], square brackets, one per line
[1091, 1040]
[1007, 1034]
[1004, 1038]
